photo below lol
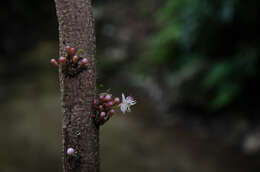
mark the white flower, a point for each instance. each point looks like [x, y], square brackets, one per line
[127, 103]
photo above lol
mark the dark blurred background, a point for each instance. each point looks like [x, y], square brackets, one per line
[192, 65]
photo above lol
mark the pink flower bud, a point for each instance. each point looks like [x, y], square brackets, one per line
[62, 60]
[111, 112]
[116, 100]
[75, 59]
[100, 107]
[68, 48]
[72, 51]
[95, 103]
[107, 106]
[70, 151]
[83, 62]
[108, 97]
[110, 103]
[101, 98]
[54, 62]
[102, 114]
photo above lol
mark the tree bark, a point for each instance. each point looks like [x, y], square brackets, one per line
[76, 29]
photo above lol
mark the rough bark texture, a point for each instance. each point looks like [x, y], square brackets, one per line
[76, 29]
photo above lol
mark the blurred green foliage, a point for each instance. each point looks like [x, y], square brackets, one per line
[221, 35]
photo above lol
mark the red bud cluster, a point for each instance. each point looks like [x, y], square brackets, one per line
[104, 107]
[71, 63]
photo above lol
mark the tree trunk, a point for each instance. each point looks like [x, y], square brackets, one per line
[76, 29]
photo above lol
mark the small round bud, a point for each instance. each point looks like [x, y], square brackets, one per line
[75, 59]
[111, 112]
[100, 107]
[110, 103]
[108, 97]
[54, 62]
[83, 62]
[102, 114]
[107, 106]
[101, 98]
[70, 151]
[116, 100]
[68, 48]
[62, 60]
[95, 103]
[72, 51]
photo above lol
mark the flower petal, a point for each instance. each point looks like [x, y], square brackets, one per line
[132, 103]
[123, 107]
[130, 100]
[123, 98]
